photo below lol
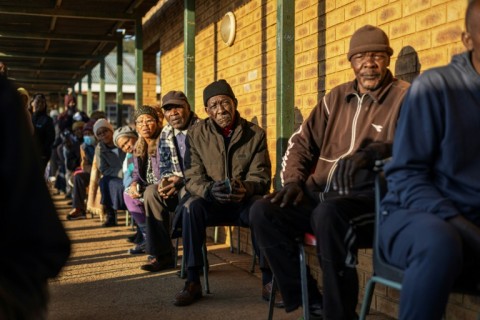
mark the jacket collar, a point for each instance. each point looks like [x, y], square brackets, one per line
[377, 95]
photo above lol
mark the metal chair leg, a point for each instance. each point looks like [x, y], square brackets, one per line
[205, 268]
[215, 235]
[367, 299]
[304, 282]
[238, 239]
[176, 252]
[231, 238]
[271, 303]
[254, 262]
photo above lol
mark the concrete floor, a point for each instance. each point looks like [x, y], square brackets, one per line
[102, 281]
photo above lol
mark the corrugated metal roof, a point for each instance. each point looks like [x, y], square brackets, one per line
[49, 45]
[129, 78]
[111, 74]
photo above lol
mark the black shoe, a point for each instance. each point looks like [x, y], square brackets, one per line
[109, 223]
[131, 238]
[110, 214]
[316, 311]
[155, 265]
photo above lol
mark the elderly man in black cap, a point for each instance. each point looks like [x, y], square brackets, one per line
[327, 185]
[163, 197]
[227, 168]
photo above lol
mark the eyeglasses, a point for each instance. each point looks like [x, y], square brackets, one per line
[216, 105]
[376, 56]
[148, 122]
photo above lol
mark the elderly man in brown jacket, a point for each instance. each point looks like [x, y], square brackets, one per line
[328, 182]
[227, 168]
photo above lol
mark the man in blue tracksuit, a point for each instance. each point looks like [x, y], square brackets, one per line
[431, 213]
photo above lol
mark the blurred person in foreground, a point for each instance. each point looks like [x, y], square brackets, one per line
[431, 213]
[29, 219]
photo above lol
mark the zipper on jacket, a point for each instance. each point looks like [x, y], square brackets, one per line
[352, 143]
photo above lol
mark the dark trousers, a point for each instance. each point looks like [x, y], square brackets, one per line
[198, 214]
[112, 193]
[79, 195]
[435, 260]
[157, 211]
[340, 225]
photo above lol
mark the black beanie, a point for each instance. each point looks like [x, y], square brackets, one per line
[217, 88]
[369, 38]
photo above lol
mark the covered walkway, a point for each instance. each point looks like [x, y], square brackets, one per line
[101, 281]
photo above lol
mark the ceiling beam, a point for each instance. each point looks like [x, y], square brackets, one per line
[56, 36]
[62, 13]
[4, 54]
[44, 81]
[32, 67]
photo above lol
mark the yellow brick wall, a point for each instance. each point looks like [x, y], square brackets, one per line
[423, 34]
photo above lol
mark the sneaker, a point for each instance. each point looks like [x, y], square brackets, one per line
[189, 294]
[138, 249]
[76, 214]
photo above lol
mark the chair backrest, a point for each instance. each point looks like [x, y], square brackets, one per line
[381, 267]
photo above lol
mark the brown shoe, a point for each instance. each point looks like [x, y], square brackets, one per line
[76, 214]
[189, 294]
[267, 290]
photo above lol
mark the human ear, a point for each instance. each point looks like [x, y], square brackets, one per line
[467, 40]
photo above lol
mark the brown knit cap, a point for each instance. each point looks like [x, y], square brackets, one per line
[369, 39]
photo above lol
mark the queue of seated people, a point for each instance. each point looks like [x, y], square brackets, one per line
[217, 170]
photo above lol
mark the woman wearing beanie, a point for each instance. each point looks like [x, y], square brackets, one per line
[109, 162]
[146, 167]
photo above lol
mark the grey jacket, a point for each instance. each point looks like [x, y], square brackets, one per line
[108, 162]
